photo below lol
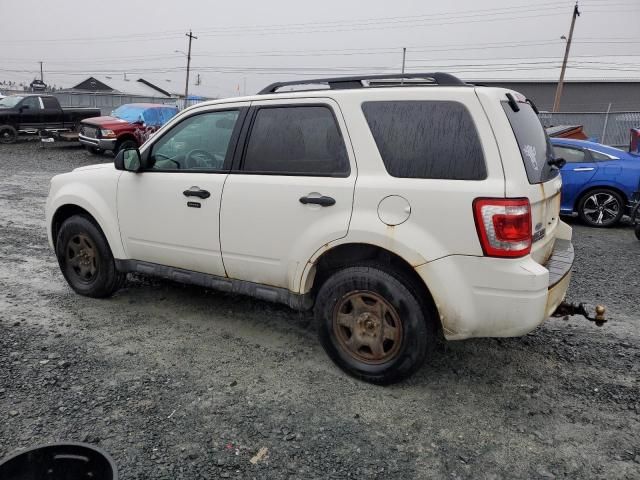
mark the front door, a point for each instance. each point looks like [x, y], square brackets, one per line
[169, 213]
[30, 113]
[578, 170]
[293, 192]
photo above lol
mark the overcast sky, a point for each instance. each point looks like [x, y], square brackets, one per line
[259, 42]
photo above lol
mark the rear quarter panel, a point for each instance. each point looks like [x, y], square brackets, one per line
[441, 220]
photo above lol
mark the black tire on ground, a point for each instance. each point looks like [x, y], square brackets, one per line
[8, 134]
[601, 208]
[124, 144]
[94, 150]
[637, 230]
[358, 307]
[85, 259]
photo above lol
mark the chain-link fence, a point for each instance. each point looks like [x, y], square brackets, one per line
[107, 102]
[612, 128]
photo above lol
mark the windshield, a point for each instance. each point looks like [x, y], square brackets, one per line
[149, 115]
[129, 113]
[9, 102]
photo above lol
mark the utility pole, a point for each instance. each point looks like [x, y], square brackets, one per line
[404, 56]
[556, 102]
[186, 86]
[41, 75]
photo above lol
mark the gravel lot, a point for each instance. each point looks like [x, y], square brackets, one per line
[178, 382]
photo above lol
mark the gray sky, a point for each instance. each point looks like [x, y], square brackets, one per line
[265, 41]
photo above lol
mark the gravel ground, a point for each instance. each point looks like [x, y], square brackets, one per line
[179, 382]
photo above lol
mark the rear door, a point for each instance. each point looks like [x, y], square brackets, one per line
[543, 181]
[525, 151]
[291, 193]
[52, 113]
[579, 170]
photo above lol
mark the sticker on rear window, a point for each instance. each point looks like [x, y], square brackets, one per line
[530, 152]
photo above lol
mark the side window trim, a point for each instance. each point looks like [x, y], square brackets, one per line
[233, 142]
[245, 135]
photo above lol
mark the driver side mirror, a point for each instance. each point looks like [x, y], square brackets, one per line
[24, 107]
[129, 160]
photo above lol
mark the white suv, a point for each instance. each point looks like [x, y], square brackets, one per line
[399, 209]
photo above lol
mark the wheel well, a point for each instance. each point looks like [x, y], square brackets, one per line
[124, 138]
[65, 212]
[357, 253]
[625, 200]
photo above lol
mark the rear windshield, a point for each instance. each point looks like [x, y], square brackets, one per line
[533, 141]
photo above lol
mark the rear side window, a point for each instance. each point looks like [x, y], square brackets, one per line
[535, 148]
[296, 140]
[426, 139]
[49, 102]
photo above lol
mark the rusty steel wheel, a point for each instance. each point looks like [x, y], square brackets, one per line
[368, 327]
[83, 257]
[373, 323]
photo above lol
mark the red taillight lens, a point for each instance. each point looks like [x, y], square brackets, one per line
[504, 226]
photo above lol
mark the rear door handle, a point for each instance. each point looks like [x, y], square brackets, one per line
[196, 192]
[322, 201]
[583, 169]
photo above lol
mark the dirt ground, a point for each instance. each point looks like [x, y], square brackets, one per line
[179, 382]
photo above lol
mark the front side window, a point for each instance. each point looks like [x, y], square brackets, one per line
[426, 139]
[200, 142]
[32, 102]
[535, 147]
[571, 155]
[296, 140]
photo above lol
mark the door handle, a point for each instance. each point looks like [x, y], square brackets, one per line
[583, 169]
[196, 192]
[322, 201]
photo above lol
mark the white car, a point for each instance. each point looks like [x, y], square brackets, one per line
[398, 210]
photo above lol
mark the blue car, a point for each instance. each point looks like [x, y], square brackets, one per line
[597, 181]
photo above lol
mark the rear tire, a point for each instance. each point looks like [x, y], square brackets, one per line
[373, 324]
[8, 134]
[601, 208]
[86, 260]
[125, 144]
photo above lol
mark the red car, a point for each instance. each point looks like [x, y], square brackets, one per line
[128, 126]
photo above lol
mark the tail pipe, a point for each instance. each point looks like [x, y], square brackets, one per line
[591, 313]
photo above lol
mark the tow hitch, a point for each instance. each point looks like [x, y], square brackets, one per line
[593, 314]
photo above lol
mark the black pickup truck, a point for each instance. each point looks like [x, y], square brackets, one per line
[29, 114]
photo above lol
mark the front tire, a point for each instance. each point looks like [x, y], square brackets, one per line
[601, 208]
[8, 134]
[94, 150]
[85, 259]
[124, 145]
[373, 325]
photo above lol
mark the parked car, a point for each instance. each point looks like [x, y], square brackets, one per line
[128, 126]
[358, 201]
[31, 114]
[597, 181]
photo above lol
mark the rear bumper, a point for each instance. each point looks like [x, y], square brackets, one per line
[495, 297]
[101, 143]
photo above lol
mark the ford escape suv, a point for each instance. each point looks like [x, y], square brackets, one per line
[399, 209]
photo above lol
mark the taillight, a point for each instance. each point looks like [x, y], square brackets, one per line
[504, 226]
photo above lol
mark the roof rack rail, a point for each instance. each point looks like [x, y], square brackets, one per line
[395, 79]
